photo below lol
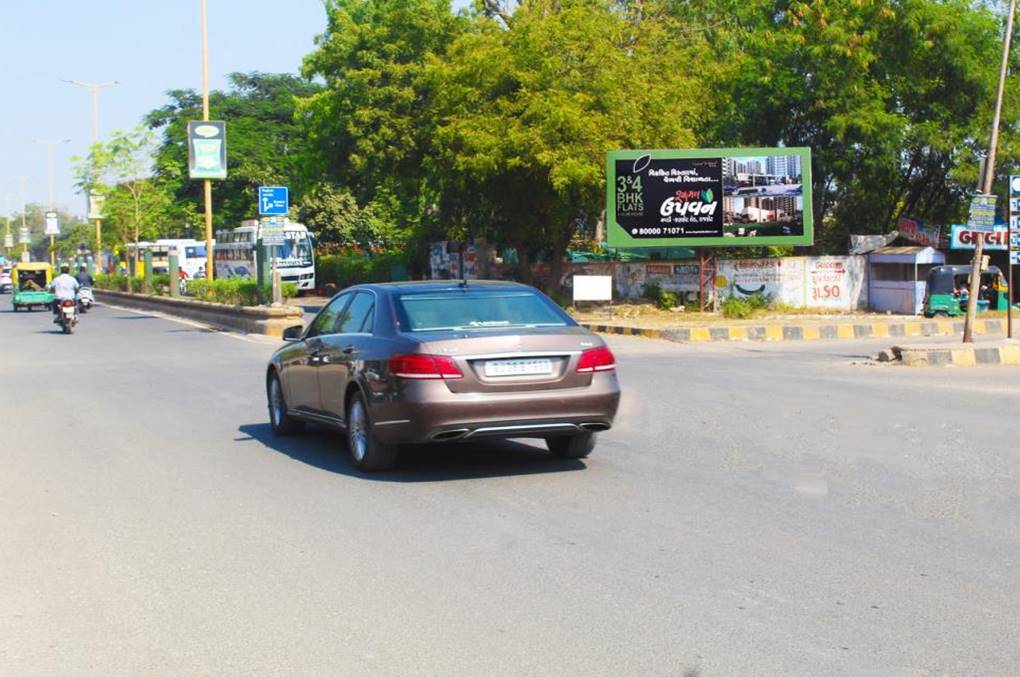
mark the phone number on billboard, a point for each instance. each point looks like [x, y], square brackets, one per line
[637, 232]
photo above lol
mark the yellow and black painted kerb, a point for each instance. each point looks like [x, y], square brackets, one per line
[968, 356]
[805, 332]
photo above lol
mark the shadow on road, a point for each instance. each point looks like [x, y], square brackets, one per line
[134, 317]
[324, 448]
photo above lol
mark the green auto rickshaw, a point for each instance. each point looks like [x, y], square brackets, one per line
[948, 290]
[31, 285]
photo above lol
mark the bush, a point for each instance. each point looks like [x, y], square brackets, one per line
[667, 300]
[343, 270]
[111, 282]
[736, 308]
[652, 291]
[743, 308]
[160, 285]
[236, 291]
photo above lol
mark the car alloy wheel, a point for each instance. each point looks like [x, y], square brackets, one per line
[367, 452]
[282, 423]
[358, 431]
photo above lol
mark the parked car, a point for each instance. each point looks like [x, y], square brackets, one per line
[418, 362]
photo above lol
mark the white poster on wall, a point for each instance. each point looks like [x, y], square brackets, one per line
[779, 279]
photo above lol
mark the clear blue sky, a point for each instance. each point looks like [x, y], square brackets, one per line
[147, 45]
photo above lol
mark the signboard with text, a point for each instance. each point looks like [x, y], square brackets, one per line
[24, 237]
[273, 201]
[95, 204]
[963, 237]
[721, 197]
[915, 230]
[981, 217]
[272, 231]
[207, 150]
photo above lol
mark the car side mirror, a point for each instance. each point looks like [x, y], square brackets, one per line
[293, 333]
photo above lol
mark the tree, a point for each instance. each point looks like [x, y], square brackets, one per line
[892, 98]
[371, 127]
[137, 206]
[266, 144]
[337, 220]
[530, 101]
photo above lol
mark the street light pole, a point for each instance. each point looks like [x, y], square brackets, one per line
[49, 144]
[94, 88]
[206, 184]
[24, 226]
[986, 180]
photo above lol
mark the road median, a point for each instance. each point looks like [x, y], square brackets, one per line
[264, 320]
[802, 331]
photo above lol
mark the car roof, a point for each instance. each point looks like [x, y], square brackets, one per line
[432, 286]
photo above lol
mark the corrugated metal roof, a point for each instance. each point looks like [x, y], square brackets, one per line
[904, 250]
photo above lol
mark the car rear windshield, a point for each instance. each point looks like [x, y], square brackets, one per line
[476, 310]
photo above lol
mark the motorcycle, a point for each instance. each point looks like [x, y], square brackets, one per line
[85, 299]
[67, 315]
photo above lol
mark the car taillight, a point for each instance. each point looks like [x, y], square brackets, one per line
[424, 367]
[596, 359]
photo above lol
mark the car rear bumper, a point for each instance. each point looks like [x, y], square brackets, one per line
[427, 411]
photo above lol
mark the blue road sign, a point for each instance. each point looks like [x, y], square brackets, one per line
[274, 201]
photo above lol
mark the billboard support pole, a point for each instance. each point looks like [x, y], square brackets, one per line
[207, 184]
[1009, 264]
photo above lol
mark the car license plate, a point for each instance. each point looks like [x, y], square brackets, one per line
[526, 367]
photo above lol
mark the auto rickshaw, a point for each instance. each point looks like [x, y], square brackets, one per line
[31, 285]
[948, 290]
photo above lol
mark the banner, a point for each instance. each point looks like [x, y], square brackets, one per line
[982, 213]
[207, 150]
[95, 205]
[52, 224]
[722, 197]
[914, 230]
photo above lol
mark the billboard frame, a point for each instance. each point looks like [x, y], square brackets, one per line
[618, 237]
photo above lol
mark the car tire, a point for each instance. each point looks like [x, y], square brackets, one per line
[281, 421]
[572, 446]
[367, 452]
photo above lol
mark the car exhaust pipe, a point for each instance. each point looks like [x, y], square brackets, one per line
[451, 435]
[594, 427]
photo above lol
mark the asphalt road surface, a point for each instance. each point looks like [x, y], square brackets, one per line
[760, 509]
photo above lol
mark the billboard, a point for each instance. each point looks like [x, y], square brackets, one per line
[207, 150]
[709, 197]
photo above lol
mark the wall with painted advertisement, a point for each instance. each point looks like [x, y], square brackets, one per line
[829, 282]
[825, 282]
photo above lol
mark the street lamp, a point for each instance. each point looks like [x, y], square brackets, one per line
[49, 173]
[95, 88]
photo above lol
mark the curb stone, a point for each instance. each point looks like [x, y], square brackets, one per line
[1007, 353]
[801, 331]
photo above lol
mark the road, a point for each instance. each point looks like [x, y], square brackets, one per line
[760, 509]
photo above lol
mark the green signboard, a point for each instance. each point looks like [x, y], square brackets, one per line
[709, 197]
[207, 150]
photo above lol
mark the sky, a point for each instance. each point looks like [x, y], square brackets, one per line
[148, 46]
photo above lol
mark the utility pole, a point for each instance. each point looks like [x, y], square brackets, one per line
[986, 180]
[95, 88]
[49, 144]
[206, 183]
[24, 226]
[7, 220]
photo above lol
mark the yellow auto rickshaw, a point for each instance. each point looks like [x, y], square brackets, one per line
[31, 285]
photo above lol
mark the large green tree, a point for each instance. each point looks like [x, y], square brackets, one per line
[892, 96]
[266, 144]
[529, 101]
[372, 126]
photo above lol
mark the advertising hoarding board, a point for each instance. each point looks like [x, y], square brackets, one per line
[207, 150]
[709, 197]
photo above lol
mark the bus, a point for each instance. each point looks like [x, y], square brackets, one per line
[191, 255]
[237, 253]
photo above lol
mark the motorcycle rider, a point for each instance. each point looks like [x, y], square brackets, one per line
[64, 288]
[83, 277]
